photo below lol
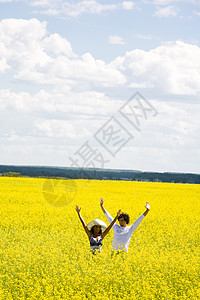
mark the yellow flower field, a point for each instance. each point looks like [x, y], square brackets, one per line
[45, 252]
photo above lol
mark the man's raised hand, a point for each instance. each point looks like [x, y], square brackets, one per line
[147, 206]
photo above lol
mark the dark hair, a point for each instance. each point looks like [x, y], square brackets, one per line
[92, 230]
[125, 216]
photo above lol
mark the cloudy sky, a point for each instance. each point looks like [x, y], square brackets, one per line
[106, 84]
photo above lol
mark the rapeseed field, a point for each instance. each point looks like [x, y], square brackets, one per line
[45, 253]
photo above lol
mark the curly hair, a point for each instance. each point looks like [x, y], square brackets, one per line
[125, 216]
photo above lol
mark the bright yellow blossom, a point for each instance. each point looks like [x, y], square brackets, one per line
[45, 253]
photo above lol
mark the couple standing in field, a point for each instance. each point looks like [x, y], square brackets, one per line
[97, 229]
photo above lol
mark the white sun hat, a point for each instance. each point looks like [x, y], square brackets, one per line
[97, 222]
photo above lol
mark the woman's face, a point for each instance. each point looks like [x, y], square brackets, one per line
[97, 229]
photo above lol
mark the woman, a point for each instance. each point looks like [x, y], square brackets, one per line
[96, 230]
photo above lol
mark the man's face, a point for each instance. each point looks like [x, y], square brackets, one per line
[122, 222]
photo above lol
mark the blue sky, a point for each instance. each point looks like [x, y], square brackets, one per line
[68, 67]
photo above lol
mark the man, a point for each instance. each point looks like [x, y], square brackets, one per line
[122, 232]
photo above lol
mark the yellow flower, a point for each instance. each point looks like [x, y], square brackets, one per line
[45, 253]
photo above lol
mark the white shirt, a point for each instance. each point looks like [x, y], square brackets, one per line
[122, 235]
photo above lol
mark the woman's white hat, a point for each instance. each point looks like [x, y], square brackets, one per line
[97, 222]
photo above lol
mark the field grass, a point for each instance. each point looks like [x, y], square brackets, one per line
[45, 253]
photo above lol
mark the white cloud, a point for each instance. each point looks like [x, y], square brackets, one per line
[70, 9]
[166, 140]
[3, 65]
[47, 128]
[141, 85]
[116, 40]
[31, 54]
[7, 1]
[55, 101]
[40, 58]
[128, 5]
[57, 45]
[164, 2]
[170, 68]
[169, 11]
[47, 125]
[144, 37]
[73, 9]
[168, 2]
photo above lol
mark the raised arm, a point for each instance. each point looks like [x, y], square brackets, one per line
[82, 221]
[111, 224]
[135, 225]
[108, 216]
[101, 204]
[147, 206]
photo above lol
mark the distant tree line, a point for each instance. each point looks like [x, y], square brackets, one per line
[10, 174]
[101, 174]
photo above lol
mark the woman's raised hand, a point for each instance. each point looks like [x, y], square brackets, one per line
[78, 209]
[101, 201]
